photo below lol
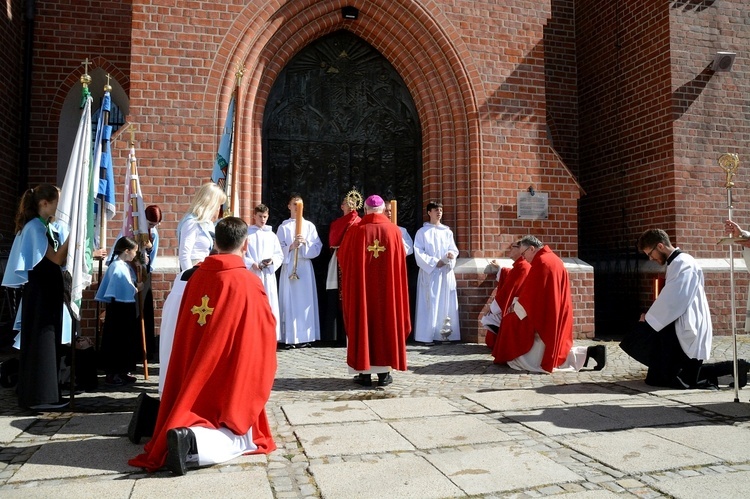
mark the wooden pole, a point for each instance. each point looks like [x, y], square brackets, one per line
[139, 238]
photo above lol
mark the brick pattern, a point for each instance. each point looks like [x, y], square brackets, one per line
[11, 60]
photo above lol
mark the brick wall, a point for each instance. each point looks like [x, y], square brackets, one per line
[11, 60]
[487, 78]
[710, 118]
[626, 143]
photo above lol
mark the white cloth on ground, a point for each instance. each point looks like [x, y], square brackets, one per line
[220, 445]
[532, 360]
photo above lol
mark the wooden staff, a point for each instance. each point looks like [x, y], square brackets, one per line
[394, 218]
[140, 239]
[298, 232]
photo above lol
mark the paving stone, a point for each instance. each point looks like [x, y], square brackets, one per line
[564, 420]
[407, 477]
[250, 483]
[729, 486]
[418, 407]
[351, 438]
[327, 412]
[509, 400]
[500, 469]
[428, 433]
[636, 451]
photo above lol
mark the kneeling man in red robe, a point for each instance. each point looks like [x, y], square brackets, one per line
[222, 365]
[537, 335]
[375, 297]
[509, 281]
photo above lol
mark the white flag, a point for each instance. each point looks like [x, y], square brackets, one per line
[75, 209]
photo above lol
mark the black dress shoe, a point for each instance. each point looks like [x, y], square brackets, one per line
[180, 443]
[363, 379]
[384, 379]
[143, 421]
[599, 354]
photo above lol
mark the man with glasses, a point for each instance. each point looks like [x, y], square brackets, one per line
[674, 337]
[537, 335]
[509, 281]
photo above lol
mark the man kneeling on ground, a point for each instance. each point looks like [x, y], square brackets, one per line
[222, 365]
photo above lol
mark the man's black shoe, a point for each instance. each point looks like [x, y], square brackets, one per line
[363, 379]
[180, 443]
[599, 354]
[384, 379]
[143, 421]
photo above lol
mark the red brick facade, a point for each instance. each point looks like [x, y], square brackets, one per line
[603, 105]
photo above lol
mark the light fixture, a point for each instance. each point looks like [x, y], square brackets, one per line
[349, 12]
[723, 62]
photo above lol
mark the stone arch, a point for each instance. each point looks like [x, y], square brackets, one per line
[419, 43]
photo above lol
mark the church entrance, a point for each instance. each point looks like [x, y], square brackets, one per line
[339, 117]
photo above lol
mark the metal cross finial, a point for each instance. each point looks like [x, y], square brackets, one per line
[86, 79]
[202, 311]
[107, 87]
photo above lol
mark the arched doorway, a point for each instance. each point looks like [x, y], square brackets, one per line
[340, 117]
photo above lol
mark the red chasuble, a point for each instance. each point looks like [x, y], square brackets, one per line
[545, 295]
[508, 287]
[375, 297]
[339, 227]
[223, 359]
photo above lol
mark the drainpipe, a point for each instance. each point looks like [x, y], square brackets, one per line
[28, 56]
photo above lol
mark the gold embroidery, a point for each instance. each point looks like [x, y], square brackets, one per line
[203, 310]
[376, 248]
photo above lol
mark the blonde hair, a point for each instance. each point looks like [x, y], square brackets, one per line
[207, 201]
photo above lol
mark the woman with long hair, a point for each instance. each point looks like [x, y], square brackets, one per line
[195, 232]
[35, 262]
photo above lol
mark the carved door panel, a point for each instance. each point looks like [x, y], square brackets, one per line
[339, 117]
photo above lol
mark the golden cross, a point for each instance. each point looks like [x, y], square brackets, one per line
[86, 64]
[376, 248]
[203, 310]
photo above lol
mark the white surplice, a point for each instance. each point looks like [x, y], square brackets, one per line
[436, 286]
[298, 298]
[262, 244]
[683, 301]
[169, 312]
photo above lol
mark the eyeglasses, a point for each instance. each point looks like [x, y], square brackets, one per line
[649, 253]
[527, 249]
[515, 246]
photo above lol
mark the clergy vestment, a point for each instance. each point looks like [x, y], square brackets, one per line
[408, 241]
[41, 319]
[333, 327]
[375, 296]
[678, 331]
[543, 309]
[437, 298]
[262, 244]
[508, 286]
[222, 366]
[298, 298]
[169, 313]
